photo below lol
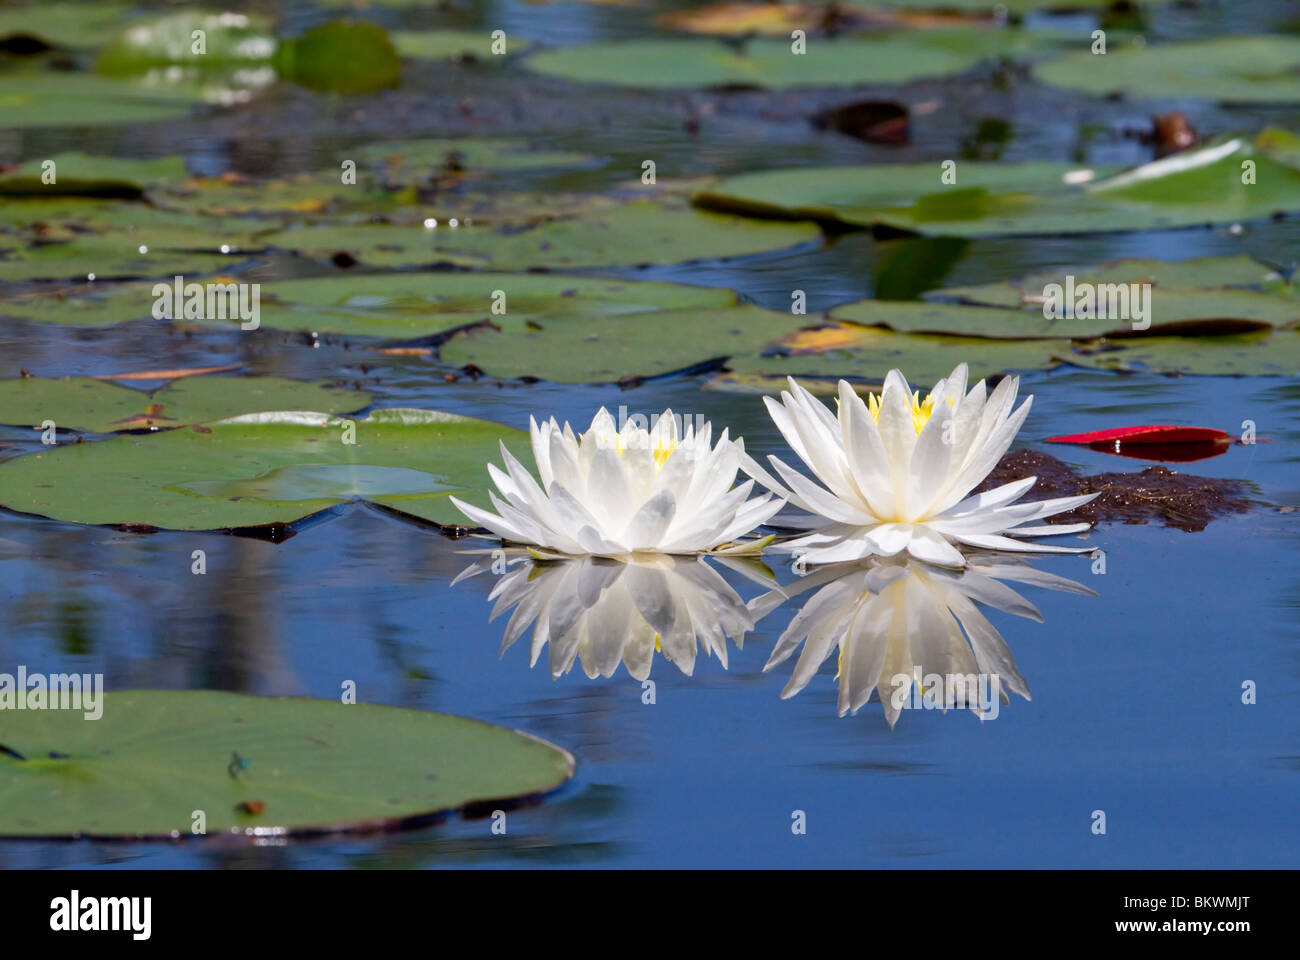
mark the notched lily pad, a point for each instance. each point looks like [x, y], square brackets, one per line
[86, 403]
[1194, 188]
[406, 306]
[623, 347]
[770, 63]
[865, 354]
[256, 766]
[1228, 69]
[628, 234]
[1156, 494]
[263, 470]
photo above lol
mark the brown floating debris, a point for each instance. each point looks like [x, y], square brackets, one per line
[1181, 501]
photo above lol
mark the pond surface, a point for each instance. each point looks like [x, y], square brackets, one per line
[1136, 703]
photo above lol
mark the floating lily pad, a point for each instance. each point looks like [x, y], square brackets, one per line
[1198, 273]
[866, 354]
[1229, 69]
[1168, 310]
[106, 255]
[84, 100]
[863, 196]
[76, 174]
[454, 44]
[408, 306]
[85, 403]
[1276, 354]
[575, 349]
[227, 38]
[898, 58]
[64, 24]
[254, 765]
[405, 160]
[1194, 188]
[631, 234]
[262, 470]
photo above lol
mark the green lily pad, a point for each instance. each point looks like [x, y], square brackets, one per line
[630, 234]
[84, 403]
[45, 99]
[1261, 354]
[76, 174]
[255, 765]
[64, 24]
[409, 306]
[228, 38]
[106, 255]
[407, 160]
[1011, 6]
[1198, 273]
[867, 354]
[897, 58]
[1167, 310]
[240, 466]
[576, 349]
[1229, 69]
[1193, 188]
[341, 57]
[864, 196]
[454, 44]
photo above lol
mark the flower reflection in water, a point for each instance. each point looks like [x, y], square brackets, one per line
[910, 631]
[603, 612]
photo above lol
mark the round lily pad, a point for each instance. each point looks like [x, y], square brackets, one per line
[62, 24]
[631, 234]
[407, 160]
[1194, 188]
[76, 174]
[44, 99]
[158, 763]
[1229, 69]
[898, 58]
[85, 403]
[1163, 309]
[408, 306]
[867, 354]
[449, 44]
[576, 349]
[1258, 355]
[265, 470]
[862, 196]
[1195, 274]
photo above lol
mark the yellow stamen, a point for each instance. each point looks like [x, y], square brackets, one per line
[921, 410]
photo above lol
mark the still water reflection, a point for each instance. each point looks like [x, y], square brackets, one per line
[909, 632]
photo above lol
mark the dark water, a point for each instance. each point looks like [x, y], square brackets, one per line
[1136, 708]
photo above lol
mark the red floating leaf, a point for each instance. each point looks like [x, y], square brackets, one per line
[1163, 433]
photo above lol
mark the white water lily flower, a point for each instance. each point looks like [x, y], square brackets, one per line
[897, 473]
[614, 492]
[906, 631]
[603, 612]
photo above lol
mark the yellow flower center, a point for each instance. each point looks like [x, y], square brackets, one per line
[921, 409]
[661, 452]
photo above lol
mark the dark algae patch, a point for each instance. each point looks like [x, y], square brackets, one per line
[1156, 494]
